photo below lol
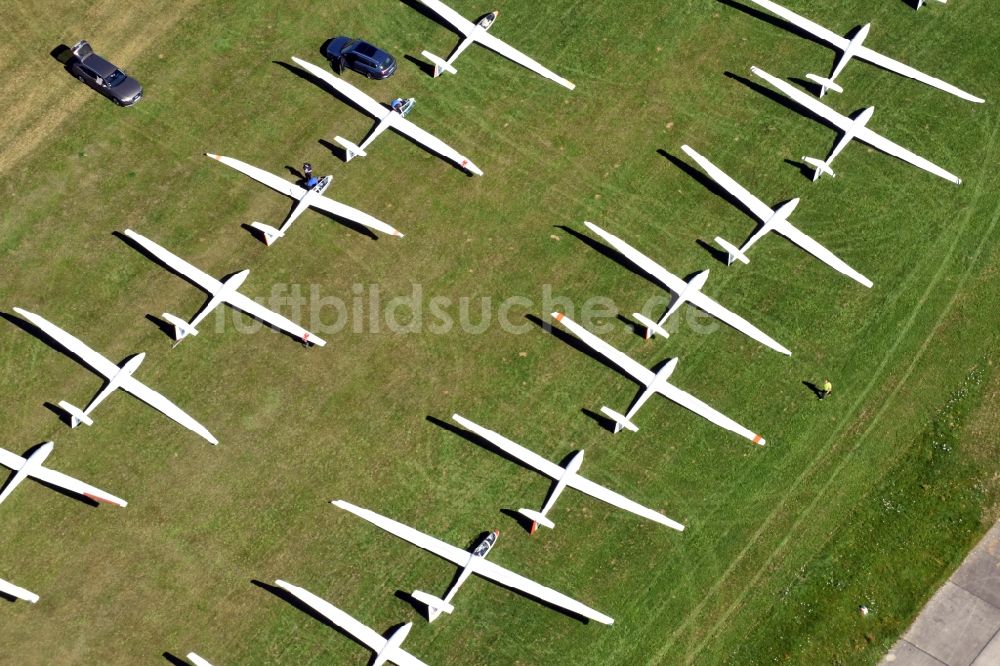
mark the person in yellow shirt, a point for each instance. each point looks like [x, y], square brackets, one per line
[826, 390]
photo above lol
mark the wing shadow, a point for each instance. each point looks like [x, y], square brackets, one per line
[174, 659]
[574, 342]
[605, 251]
[426, 12]
[775, 21]
[290, 598]
[472, 437]
[31, 329]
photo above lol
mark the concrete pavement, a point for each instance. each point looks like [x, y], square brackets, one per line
[960, 625]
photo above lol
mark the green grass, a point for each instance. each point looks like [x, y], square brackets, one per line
[854, 500]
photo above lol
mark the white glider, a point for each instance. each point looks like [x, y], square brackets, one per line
[474, 562]
[386, 650]
[855, 48]
[12, 590]
[386, 118]
[772, 220]
[220, 292]
[563, 476]
[438, 605]
[686, 292]
[306, 198]
[652, 382]
[118, 377]
[920, 3]
[476, 32]
[32, 466]
[852, 128]
[196, 660]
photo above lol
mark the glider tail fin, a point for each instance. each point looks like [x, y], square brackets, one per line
[820, 166]
[735, 254]
[351, 150]
[536, 519]
[76, 416]
[439, 64]
[182, 329]
[619, 419]
[435, 605]
[652, 328]
[269, 233]
[824, 83]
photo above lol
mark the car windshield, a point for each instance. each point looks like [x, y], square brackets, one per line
[117, 77]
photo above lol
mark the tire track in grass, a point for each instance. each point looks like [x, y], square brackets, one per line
[659, 655]
[875, 420]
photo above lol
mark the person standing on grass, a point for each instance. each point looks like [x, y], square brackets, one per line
[826, 390]
[307, 172]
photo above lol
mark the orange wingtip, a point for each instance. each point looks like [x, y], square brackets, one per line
[534, 527]
[558, 316]
[757, 439]
[103, 500]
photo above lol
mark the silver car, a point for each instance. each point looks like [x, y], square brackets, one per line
[102, 76]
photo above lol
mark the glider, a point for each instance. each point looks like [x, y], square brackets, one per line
[196, 660]
[686, 292]
[32, 466]
[854, 47]
[920, 3]
[652, 382]
[306, 198]
[220, 292]
[563, 476]
[386, 118]
[12, 590]
[118, 377]
[771, 220]
[476, 32]
[852, 128]
[474, 562]
[386, 650]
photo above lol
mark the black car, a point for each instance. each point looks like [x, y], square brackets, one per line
[362, 57]
[102, 76]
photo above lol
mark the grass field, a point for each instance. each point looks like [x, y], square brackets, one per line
[872, 496]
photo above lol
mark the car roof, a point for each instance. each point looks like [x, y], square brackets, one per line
[365, 49]
[101, 67]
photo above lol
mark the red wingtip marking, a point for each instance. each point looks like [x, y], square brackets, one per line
[534, 526]
[305, 338]
[558, 316]
[98, 499]
[757, 439]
